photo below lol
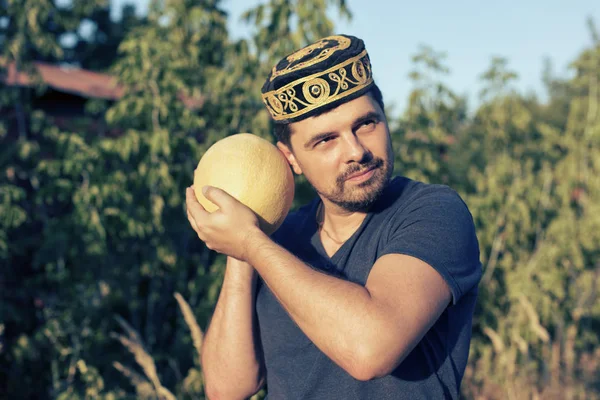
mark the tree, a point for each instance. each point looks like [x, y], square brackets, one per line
[32, 30]
[534, 200]
[99, 36]
[101, 221]
[434, 117]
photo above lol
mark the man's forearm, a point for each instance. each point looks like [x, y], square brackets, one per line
[231, 359]
[338, 316]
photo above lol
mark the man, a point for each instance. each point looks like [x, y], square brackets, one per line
[368, 291]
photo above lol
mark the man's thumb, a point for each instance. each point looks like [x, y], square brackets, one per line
[218, 196]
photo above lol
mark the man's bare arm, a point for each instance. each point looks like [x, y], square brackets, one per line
[231, 352]
[367, 330]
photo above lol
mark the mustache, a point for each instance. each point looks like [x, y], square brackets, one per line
[354, 168]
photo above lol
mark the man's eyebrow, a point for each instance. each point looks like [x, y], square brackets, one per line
[324, 135]
[317, 138]
[370, 115]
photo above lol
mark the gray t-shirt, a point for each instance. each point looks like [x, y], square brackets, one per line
[429, 222]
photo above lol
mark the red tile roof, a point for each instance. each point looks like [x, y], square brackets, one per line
[78, 81]
[68, 79]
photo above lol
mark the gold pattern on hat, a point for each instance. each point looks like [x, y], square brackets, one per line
[341, 43]
[320, 89]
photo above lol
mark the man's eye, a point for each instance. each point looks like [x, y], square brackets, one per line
[323, 141]
[367, 125]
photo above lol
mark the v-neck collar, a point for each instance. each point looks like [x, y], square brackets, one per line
[318, 244]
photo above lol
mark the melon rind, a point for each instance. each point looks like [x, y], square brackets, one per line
[252, 170]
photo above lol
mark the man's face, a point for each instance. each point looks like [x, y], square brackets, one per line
[346, 153]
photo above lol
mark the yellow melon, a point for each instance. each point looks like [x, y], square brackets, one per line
[252, 170]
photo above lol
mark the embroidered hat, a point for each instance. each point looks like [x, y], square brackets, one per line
[329, 72]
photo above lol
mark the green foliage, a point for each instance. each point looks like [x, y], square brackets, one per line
[96, 224]
[534, 196]
[94, 240]
[434, 117]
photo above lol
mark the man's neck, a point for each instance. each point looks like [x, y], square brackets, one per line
[338, 224]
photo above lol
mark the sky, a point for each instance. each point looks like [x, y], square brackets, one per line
[470, 32]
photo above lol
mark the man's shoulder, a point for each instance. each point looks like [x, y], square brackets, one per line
[432, 223]
[300, 215]
[404, 194]
[296, 221]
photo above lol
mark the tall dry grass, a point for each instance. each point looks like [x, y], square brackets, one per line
[148, 385]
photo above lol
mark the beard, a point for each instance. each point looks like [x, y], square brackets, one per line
[359, 197]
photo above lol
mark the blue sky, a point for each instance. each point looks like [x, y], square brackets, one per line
[469, 31]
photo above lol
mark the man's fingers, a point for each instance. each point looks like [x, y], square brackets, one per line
[193, 206]
[219, 197]
[192, 221]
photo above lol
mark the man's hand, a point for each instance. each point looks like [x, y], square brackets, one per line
[227, 230]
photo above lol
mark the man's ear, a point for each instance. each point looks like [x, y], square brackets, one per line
[290, 157]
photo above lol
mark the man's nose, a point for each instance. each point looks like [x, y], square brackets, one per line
[354, 149]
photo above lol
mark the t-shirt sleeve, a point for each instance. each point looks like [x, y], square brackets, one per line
[437, 228]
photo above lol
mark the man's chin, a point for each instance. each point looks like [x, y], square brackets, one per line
[362, 201]
[374, 189]
[360, 197]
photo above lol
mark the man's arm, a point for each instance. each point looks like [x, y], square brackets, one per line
[231, 353]
[367, 331]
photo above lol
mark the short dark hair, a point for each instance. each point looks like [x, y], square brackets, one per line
[282, 131]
